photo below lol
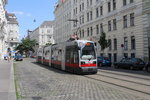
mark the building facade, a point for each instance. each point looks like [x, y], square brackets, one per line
[125, 23]
[62, 29]
[146, 21]
[43, 34]
[13, 31]
[3, 28]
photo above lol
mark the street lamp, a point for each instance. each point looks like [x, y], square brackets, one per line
[75, 35]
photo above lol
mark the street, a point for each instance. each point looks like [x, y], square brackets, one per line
[38, 82]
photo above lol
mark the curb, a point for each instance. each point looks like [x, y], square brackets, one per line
[12, 90]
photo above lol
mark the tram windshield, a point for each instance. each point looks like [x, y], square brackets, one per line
[88, 52]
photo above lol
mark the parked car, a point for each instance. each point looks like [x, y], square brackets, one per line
[18, 57]
[131, 63]
[5, 57]
[148, 67]
[33, 56]
[103, 61]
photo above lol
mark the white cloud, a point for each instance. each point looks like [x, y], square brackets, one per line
[22, 13]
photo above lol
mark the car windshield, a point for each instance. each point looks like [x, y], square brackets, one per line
[136, 60]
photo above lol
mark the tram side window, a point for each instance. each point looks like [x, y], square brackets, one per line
[76, 57]
[52, 55]
[59, 55]
[67, 55]
[72, 54]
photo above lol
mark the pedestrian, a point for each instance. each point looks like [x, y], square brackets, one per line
[9, 56]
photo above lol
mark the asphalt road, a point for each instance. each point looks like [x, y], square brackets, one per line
[39, 82]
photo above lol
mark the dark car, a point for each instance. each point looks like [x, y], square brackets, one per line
[18, 57]
[131, 63]
[148, 67]
[103, 61]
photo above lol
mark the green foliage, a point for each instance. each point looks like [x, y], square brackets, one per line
[48, 44]
[103, 42]
[26, 45]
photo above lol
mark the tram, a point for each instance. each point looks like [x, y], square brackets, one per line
[78, 56]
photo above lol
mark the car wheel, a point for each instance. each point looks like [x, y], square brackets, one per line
[116, 66]
[99, 65]
[131, 67]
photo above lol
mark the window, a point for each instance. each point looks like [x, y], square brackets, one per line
[101, 27]
[97, 29]
[91, 15]
[109, 7]
[101, 10]
[109, 55]
[76, 11]
[124, 2]
[115, 44]
[114, 24]
[125, 21]
[82, 6]
[126, 55]
[132, 19]
[131, 1]
[88, 16]
[109, 25]
[97, 12]
[91, 31]
[87, 3]
[115, 57]
[132, 55]
[82, 19]
[109, 41]
[88, 32]
[132, 43]
[80, 33]
[125, 43]
[91, 2]
[83, 33]
[114, 4]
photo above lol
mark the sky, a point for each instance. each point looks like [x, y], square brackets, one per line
[31, 13]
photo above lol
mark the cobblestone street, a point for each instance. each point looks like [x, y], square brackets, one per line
[38, 82]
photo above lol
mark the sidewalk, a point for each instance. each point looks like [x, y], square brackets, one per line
[7, 86]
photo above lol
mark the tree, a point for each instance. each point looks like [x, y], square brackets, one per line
[26, 45]
[48, 43]
[103, 42]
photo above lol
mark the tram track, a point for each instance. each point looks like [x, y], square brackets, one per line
[127, 75]
[119, 85]
[139, 85]
[124, 80]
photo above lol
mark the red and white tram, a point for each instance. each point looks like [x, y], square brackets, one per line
[78, 56]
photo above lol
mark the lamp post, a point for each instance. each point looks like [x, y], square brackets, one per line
[74, 36]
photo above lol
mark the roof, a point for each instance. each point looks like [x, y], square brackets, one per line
[11, 18]
[47, 23]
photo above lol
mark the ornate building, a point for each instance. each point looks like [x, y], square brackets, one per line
[13, 31]
[125, 22]
[62, 29]
[3, 28]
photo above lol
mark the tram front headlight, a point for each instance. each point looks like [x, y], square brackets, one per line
[82, 62]
[94, 62]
